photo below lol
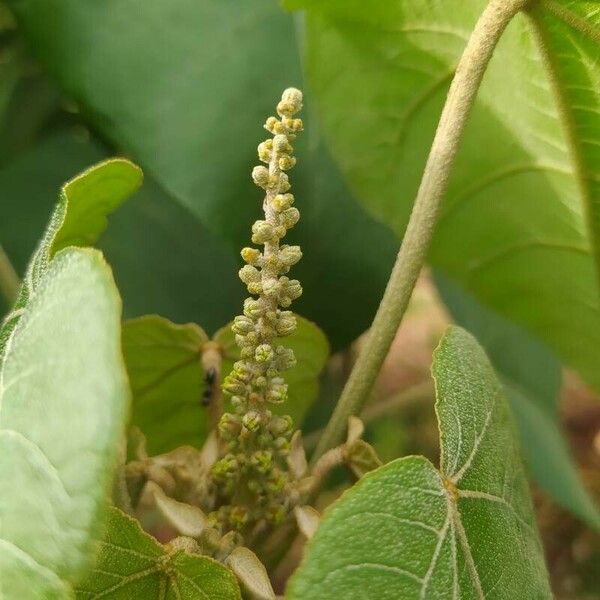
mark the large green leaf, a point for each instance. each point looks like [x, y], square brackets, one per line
[164, 362]
[184, 87]
[163, 260]
[531, 375]
[410, 531]
[133, 564]
[311, 350]
[63, 405]
[520, 219]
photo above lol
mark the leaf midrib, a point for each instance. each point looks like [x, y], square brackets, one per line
[564, 112]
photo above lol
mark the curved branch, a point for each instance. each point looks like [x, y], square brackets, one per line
[413, 251]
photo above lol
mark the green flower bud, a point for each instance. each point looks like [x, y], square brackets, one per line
[293, 289]
[284, 358]
[280, 426]
[264, 353]
[251, 420]
[286, 323]
[242, 325]
[229, 425]
[253, 308]
[265, 150]
[262, 461]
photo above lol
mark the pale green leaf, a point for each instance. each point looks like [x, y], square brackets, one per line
[78, 219]
[164, 362]
[531, 375]
[410, 531]
[520, 225]
[311, 349]
[132, 564]
[63, 405]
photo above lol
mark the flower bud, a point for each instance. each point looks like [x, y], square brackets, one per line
[288, 218]
[248, 274]
[281, 144]
[290, 255]
[262, 232]
[264, 353]
[282, 201]
[242, 325]
[260, 176]
[287, 162]
[286, 323]
[293, 289]
[251, 420]
[251, 255]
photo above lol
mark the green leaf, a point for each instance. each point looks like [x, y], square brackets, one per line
[519, 225]
[163, 260]
[171, 104]
[531, 376]
[132, 564]
[78, 219]
[63, 404]
[164, 362]
[311, 349]
[411, 531]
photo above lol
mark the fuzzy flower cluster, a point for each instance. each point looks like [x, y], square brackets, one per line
[251, 477]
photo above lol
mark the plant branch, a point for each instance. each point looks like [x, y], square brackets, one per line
[9, 280]
[417, 238]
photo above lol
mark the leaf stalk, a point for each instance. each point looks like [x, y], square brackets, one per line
[419, 232]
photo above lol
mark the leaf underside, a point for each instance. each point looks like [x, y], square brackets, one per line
[520, 221]
[63, 404]
[411, 531]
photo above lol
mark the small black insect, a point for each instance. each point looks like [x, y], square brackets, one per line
[209, 379]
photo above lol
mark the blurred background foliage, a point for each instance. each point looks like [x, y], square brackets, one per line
[182, 88]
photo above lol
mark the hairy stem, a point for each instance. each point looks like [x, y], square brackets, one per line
[419, 231]
[9, 280]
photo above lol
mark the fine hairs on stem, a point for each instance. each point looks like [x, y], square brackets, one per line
[419, 231]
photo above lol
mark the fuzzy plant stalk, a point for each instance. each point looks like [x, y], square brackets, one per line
[254, 489]
[426, 209]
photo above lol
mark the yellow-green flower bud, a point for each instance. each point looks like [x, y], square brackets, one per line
[262, 232]
[291, 102]
[284, 358]
[260, 176]
[282, 201]
[287, 162]
[248, 274]
[281, 425]
[286, 323]
[242, 325]
[264, 353]
[289, 217]
[251, 255]
[251, 420]
[290, 255]
[281, 144]
[265, 150]
[293, 289]
[253, 308]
